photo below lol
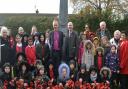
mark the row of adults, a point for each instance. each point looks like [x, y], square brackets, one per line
[65, 47]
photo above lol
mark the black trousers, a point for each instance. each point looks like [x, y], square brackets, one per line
[123, 81]
[56, 57]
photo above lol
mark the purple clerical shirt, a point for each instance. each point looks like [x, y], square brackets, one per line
[56, 40]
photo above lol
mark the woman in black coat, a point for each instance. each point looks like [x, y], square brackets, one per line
[6, 47]
[42, 50]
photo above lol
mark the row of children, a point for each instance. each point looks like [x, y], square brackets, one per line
[40, 78]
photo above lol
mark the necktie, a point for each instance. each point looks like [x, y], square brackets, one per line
[69, 33]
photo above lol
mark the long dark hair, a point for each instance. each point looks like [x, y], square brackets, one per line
[42, 34]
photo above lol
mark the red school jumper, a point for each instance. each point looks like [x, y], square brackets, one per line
[30, 52]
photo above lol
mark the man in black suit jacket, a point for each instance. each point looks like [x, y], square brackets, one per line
[56, 42]
[70, 43]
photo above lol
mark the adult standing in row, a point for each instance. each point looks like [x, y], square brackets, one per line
[70, 43]
[123, 56]
[56, 43]
[5, 47]
[103, 31]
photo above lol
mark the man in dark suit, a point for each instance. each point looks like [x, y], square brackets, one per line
[70, 43]
[56, 42]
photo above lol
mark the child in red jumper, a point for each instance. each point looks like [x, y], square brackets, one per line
[18, 46]
[30, 52]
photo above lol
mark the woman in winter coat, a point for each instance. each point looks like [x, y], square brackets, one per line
[42, 50]
[88, 55]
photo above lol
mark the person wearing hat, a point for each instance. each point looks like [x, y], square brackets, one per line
[99, 58]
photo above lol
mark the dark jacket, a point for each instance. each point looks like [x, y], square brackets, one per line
[82, 75]
[27, 76]
[98, 79]
[51, 39]
[112, 62]
[96, 61]
[7, 77]
[6, 52]
[39, 52]
[74, 74]
[70, 45]
[107, 33]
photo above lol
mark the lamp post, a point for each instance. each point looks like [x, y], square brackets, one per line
[63, 15]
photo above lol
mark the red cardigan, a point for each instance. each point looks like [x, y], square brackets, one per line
[30, 52]
[123, 54]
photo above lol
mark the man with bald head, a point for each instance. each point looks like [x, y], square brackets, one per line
[103, 31]
[70, 43]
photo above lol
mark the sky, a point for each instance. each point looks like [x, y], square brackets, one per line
[29, 6]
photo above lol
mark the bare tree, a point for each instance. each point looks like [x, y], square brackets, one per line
[116, 6]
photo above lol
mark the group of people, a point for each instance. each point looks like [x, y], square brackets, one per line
[57, 60]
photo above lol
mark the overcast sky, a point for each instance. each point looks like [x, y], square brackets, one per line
[28, 6]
